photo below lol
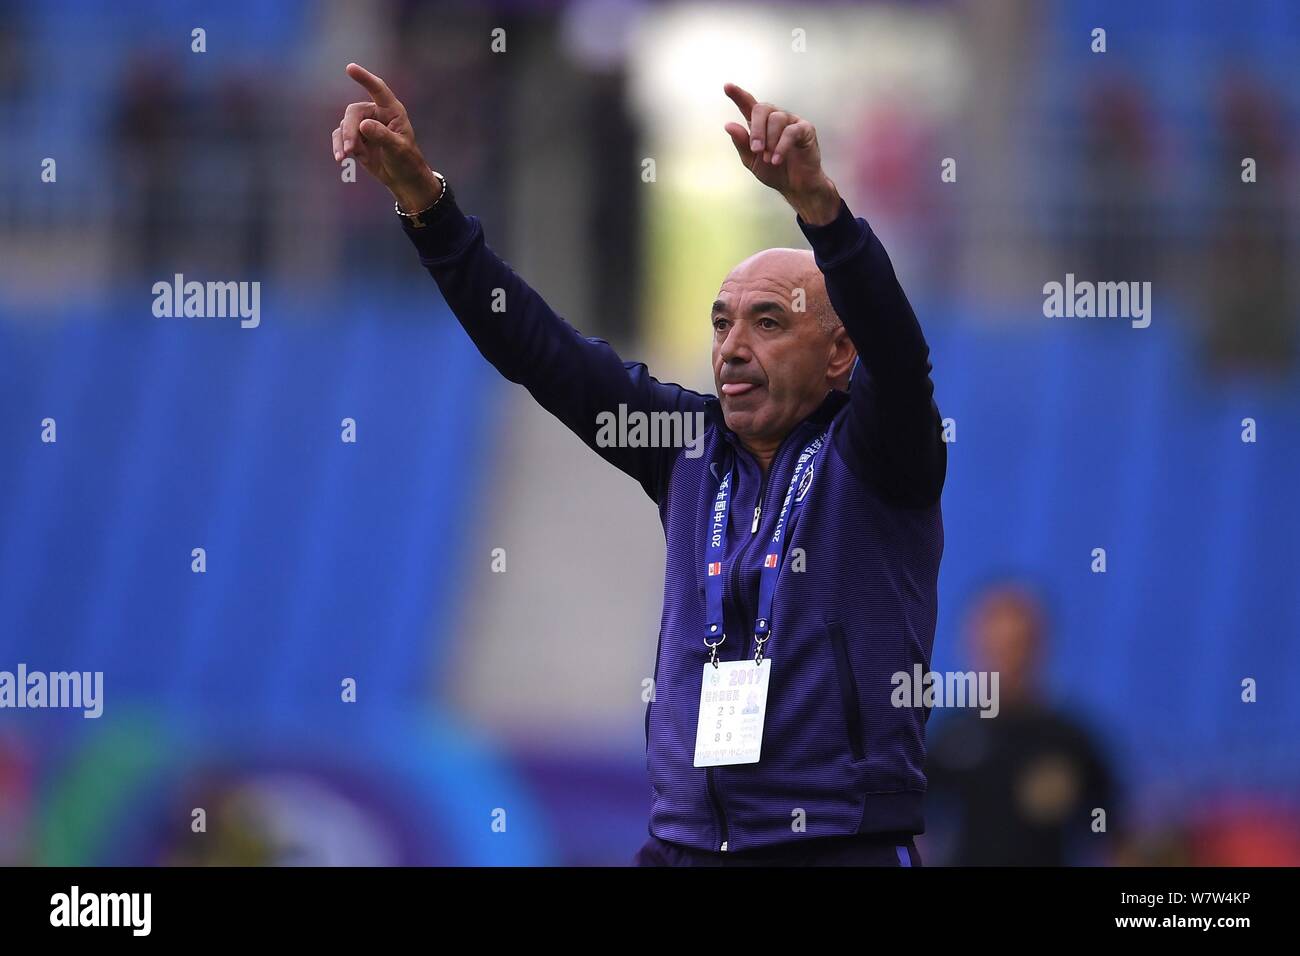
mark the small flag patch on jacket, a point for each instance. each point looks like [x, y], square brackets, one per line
[715, 567]
[769, 561]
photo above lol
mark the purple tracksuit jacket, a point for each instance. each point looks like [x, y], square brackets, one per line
[837, 757]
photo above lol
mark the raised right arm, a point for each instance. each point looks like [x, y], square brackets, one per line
[575, 378]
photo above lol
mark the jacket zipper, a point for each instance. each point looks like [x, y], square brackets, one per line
[738, 594]
[717, 807]
[739, 561]
[736, 564]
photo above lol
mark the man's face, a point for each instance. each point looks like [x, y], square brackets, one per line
[1005, 635]
[773, 365]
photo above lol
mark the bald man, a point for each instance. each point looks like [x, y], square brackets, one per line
[802, 523]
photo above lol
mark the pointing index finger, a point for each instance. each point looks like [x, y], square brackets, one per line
[742, 98]
[377, 88]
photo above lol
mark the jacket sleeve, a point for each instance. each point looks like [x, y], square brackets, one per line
[892, 436]
[581, 381]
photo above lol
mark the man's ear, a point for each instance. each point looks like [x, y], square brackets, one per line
[843, 355]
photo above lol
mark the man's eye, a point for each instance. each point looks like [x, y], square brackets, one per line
[719, 324]
[770, 324]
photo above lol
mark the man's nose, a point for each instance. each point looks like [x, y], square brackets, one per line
[735, 347]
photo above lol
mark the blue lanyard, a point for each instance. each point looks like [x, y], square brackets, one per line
[715, 549]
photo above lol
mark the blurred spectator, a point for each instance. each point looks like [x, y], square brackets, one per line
[1017, 789]
[1252, 314]
[149, 170]
[895, 165]
[195, 171]
[1119, 231]
[236, 146]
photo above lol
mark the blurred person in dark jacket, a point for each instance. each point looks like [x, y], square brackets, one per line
[1020, 788]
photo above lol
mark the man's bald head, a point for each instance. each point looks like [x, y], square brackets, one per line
[798, 267]
[778, 346]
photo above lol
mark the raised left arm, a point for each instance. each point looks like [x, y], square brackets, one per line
[893, 435]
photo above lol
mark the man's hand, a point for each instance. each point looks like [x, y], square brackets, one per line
[781, 150]
[379, 134]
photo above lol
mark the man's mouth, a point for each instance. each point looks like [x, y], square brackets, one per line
[734, 389]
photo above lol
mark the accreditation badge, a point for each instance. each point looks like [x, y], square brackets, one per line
[733, 703]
